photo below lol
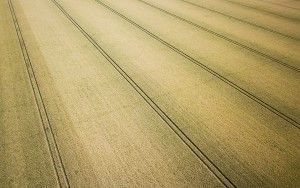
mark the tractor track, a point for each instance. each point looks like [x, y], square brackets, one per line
[172, 125]
[209, 70]
[49, 135]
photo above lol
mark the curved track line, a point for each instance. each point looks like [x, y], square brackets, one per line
[50, 138]
[172, 125]
[243, 21]
[224, 37]
[211, 71]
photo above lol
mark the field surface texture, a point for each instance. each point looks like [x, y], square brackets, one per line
[150, 93]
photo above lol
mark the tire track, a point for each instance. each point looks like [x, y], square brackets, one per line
[263, 10]
[280, 5]
[172, 125]
[50, 138]
[243, 21]
[209, 70]
[224, 37]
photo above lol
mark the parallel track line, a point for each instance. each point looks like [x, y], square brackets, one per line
[172, 125]
[240, 20]
[224, 37]
[263, 10]
[50, 138]
[211, 71]
[280, 5]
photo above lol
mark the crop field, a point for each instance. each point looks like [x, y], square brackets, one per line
[150, 93]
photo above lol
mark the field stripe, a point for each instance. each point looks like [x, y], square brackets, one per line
[224, 38]
[263, 10]
[197, 151]
[240, 20]
[280, 5]
[211, 71]
[50, 138]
